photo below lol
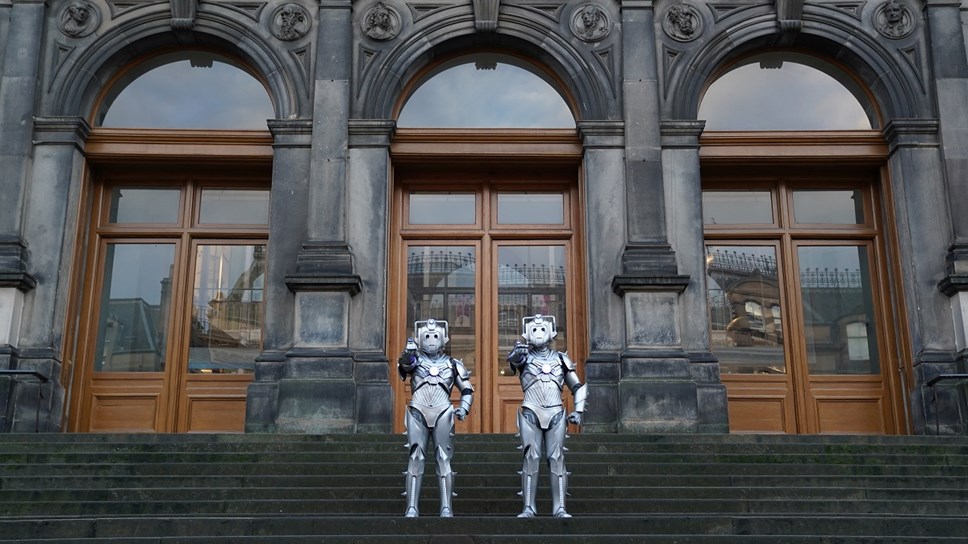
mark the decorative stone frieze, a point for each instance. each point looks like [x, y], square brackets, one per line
[381, 22]
[894, 20]
[682, 22]
[79, 18]
[290, 22]
[591, 23]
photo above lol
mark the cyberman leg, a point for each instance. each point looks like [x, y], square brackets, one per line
[444, 446]
[531, 438]
[555, 437]
[417, 436]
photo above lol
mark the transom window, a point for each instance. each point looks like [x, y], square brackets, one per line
[186, 90]
[486, 90]
[786, 91]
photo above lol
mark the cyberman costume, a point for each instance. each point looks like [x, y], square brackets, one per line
[432, 376]
[541, 420]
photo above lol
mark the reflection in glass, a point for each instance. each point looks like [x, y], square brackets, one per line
[838, 310]
[144, 205]
[228, 310]
[737, 207]
[486, 90]
[832, 207]
[187, 90]
[530, 280]
[234, 207]
[530, 208]
[746, 329]
[443, 208]
[133, 313]
[785, 91]
[441, 285]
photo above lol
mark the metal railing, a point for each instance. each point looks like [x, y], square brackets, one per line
[40, 377]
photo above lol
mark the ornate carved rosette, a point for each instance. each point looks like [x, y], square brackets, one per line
[290, 22]
[894, 19]
[381, 22]
[78, 19]
[682, 22]
[591, 23]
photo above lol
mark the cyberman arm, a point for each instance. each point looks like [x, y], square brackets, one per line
[518, 357]
[463, 383]
[407, 362]
[578, 389]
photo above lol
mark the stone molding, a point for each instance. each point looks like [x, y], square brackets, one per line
[371, 132]
[486, 15]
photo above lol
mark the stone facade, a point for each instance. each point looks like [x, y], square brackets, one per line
[336, 69]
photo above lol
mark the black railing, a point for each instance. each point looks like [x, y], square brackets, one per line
[40, 377]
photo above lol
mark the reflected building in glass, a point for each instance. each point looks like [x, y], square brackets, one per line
[232, 226]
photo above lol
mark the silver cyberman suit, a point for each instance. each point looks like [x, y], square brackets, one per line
[541, 420]
[432, 376]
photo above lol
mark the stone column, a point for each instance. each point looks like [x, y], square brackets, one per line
[287, 230]
[683, 183]
[21, 26]
[317, 392]
[605, 225]
[368, 204]
[923, 224]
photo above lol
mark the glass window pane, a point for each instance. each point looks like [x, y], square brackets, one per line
[838, 207]
[746, 331]
[530, 208]
[144, 205]
[838, 310]
[530, 280]
[786, 91]
[486, 91]
[228, 311]
[134, 308]
[737, 207]
[187, 90]
[441, 285]
[234, 207]
[443, 208]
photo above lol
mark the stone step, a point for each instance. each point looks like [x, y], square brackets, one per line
[476, 528]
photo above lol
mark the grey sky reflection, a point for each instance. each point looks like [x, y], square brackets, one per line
[177, 95]
[794, 97]
[506, 97]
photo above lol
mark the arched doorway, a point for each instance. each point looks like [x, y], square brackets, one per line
[486, 222]
[171, 292]
[796, 249]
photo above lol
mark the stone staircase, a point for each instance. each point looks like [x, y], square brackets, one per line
[720, 489]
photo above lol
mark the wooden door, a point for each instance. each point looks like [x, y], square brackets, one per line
[171, 318]
[482, 255]
[797, 307]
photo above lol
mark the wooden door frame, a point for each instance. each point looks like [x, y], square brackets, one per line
[495, 157]
[128, 153]
[838, 154]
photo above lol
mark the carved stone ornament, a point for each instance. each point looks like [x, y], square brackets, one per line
[682, 22]
[591, 23]
[894, 20]
[381, 22]
[290, 22]
[78, 19]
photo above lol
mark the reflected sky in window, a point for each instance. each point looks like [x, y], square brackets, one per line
[174, 94]
[486, 91]
[783, 91]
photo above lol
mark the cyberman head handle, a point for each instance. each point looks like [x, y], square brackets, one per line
[539, 330]
[431, 335]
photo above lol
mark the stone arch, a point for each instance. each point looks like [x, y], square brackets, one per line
[77, 86]
[896, 86]
[589, 84]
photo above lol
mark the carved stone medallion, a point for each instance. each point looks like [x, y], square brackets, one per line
[79, 18]
[591, 23]
[682, 22]
[381, 22]
[894, 19]
[290, 22]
